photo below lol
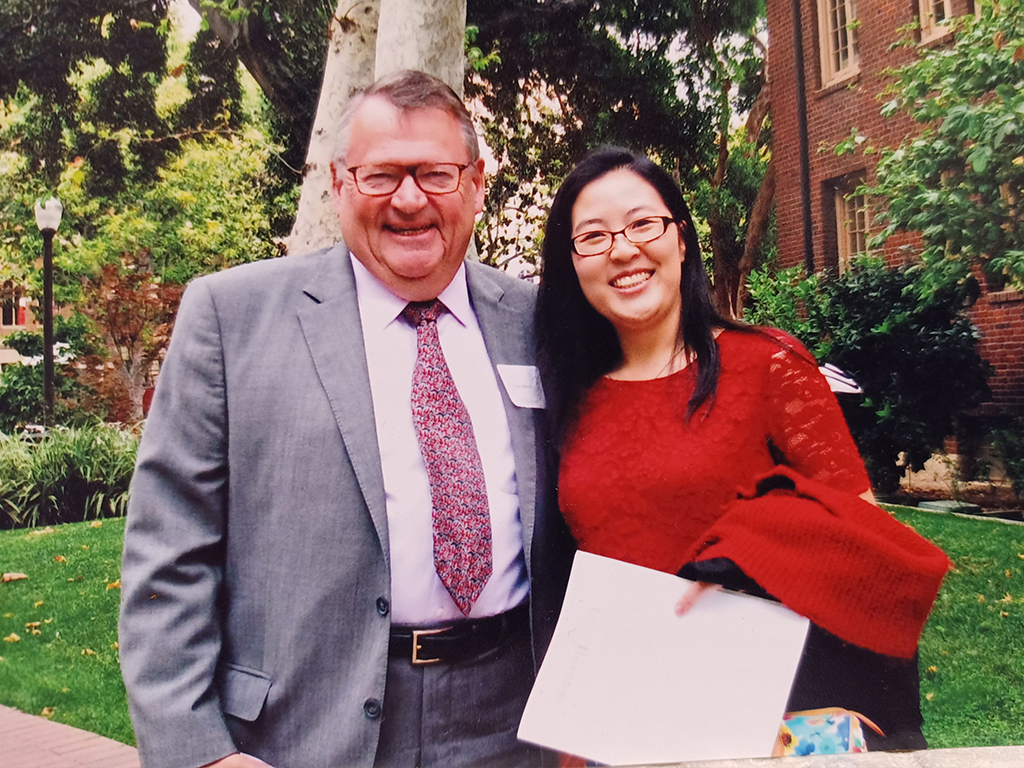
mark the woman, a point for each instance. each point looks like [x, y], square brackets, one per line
[665, 411]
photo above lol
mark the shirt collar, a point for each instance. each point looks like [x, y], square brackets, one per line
[379, 307]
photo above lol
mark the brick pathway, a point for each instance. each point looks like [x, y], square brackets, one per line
[27, 741]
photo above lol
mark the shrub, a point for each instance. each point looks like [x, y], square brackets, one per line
[68, 476]
[21, 384]
[786, 299]
[916, 361]
[21, 398]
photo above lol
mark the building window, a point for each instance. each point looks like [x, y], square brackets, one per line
[10, 312]
[12, 309]
[840, 48]
[851, 226]
[934, 16]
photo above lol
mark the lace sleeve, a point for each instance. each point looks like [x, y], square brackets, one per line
[805, 422]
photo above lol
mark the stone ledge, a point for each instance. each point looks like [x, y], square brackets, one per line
[1005, 296]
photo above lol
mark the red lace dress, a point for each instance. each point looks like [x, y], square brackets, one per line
[640, 483]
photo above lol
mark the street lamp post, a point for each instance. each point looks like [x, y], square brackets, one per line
[48, 213]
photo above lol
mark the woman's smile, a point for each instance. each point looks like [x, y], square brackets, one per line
[631, 280]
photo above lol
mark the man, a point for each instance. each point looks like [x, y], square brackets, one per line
[338, 504]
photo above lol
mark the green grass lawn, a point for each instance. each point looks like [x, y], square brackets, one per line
[972, 652]
[68, 661]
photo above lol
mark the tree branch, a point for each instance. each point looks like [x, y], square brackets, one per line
[722, 164]
[759, 111]
[480, 13]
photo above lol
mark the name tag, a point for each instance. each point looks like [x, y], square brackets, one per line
[522, 382]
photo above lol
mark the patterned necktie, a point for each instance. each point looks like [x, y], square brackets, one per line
[461, 517]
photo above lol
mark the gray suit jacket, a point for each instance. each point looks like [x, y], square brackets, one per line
[255, 576]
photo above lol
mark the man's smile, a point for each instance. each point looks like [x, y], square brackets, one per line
[409, 231]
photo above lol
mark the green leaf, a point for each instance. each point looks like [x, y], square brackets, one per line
[979, 157]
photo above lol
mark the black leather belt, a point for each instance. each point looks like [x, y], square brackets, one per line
[460, 640]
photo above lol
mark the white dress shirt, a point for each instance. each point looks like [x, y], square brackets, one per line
[417, 595]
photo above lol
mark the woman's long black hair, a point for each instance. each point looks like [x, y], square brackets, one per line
[575, 344]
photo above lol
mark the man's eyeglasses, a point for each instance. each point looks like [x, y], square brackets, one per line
[637, 232]
[432, 178]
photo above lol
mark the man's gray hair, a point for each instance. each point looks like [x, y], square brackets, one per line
[407, 90]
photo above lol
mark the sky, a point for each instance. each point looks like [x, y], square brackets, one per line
[188, 16]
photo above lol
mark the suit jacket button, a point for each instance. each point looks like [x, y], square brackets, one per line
[371, 708]
[383, 606]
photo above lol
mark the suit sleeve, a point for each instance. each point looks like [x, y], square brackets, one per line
[172, 567]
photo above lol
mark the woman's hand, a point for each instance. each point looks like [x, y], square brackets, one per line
[694, 592]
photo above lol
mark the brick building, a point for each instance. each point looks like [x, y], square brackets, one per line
[842, 76]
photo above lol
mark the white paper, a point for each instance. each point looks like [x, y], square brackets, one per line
[522, 382]
[626, 681]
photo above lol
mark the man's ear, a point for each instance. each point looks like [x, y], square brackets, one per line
[336, 186]
[480, 186]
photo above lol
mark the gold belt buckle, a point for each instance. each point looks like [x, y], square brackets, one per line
[416, 635]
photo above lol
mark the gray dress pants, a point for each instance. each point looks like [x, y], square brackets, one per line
[455, 715]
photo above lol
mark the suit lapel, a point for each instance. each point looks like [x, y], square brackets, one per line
[329, 315]
[506, 336]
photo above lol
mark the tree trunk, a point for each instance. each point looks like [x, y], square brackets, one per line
[350, 62]
[723, 266]
[428, 35]
[249, 45]
[757, 225]
[137, 386]
[128, 367]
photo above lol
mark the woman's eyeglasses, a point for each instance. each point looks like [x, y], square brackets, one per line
[637, 232]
